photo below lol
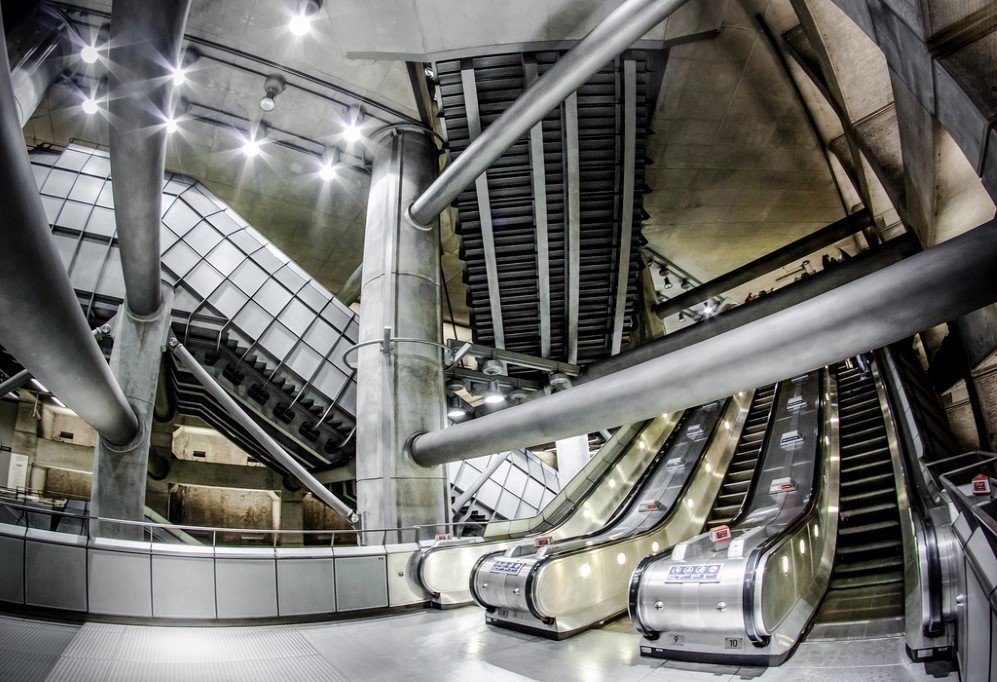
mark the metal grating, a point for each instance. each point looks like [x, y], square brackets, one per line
[509, 285]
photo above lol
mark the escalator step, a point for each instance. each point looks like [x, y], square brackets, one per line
[878, 493]
[873, 579]
[869, 547]
[869, 528]
[869, 509]
[870, 565]
[883, 453]
[861, 468]
[877, 479]
[863, 445]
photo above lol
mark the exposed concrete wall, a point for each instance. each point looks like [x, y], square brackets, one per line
[960, 416]
[197, 506]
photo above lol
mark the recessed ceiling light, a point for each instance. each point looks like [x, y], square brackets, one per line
[301, 22]
[353, 128]
[89, 106]
[251, 148]
[89, 54]
[171, 126]
[327, 172]
[179, 76]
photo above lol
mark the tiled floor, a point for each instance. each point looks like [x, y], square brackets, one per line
[423, 645]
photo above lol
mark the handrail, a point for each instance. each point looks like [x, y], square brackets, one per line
[767, 545]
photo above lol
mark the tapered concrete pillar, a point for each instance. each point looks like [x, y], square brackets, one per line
[399, 392]
[118, 486]
[291, 516]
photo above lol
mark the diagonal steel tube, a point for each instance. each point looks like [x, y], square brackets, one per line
[624, 26]
[145, 47]
[919, 292]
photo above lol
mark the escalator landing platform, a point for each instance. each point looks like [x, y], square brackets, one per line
[421, 645]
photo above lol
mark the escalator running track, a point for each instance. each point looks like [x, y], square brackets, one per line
[867, 583]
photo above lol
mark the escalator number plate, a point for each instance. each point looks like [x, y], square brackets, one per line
[694, 573]
[510, 567]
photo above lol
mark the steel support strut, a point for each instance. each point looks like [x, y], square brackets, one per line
[883, 307]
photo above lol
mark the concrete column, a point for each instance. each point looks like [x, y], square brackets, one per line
[572, 456]
[291, 516]
[399, 392]
[119, 476]
[38, 478]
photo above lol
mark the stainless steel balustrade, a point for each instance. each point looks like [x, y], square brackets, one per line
[574, 584]
[583, 505]
[216, 581]
[747, 601]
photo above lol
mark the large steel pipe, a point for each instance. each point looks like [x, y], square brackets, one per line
[624, 26]
[41, 321]
[784, 255]
[39, 46]
[861, 265]
[921, 291]
[144, 51]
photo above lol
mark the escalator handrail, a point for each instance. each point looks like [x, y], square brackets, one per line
[535, 569]
[806, 515]
[766, 439]
[935, 625]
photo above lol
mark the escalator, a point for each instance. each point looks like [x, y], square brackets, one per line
[557, 588]
[586, 503]
[867, 582]
[737, 481]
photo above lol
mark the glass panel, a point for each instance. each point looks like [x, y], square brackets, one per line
[203, 238]
[66, 244]
[74, 215]
[40, 173]
[314, 296]
[304, 361]
[228, 299]
[101, 222]
[181, 218]
[98, 165]
[52, 207]
[335, 315]
[245, 240]
[106, 196]
[199, 202]
[112, 282]
[204, 279]
[180, 259]
[278, 340]
[272, 296]
[252, 320]
[72, 159]
[59, 183]
[289, 278]
[88, 263]
[226, 257]
[297, 316]
[86, 189]
[224, 223]
[321, 336]
[249, 277]
[330, 381]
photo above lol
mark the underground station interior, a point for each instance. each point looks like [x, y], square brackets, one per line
[523, 340]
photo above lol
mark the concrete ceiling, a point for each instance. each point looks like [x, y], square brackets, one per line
[736, 171]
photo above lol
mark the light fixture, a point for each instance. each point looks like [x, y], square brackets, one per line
[301, 22]
[90, 106]
[681, 314]
[709, 308]
[455, 408]
[39, 386]
[171, 126]
[686, 284]
[273, 86]
[89, 54]
[251, 147]
[353, 130]
[668, 281]
[494, 394]
[330, 162]
[179, 76]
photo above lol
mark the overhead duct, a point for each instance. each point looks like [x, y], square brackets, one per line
[918, 292]
[804, 246]
[861, 265]
[144, 52]
[41, 322]
[614, 34]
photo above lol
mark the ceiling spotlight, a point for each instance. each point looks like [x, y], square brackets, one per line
[494, 394]
[90, 106]
[353, 130]
[171, 126]
[686, 284]
[330, 162]
[668, 282]
[251, 147]
[301, 22]
[709, 308]
[455, 408]
[89, 54]
[179, 77]
[273, 86]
